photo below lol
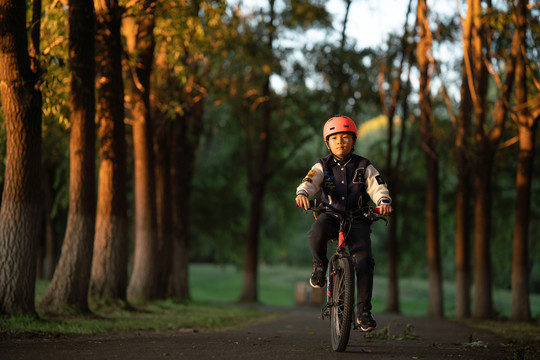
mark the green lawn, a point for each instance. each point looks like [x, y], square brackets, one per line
[214, 288]
[223, 283]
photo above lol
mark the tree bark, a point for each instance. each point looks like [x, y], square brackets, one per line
[257, 175]
[142, 283]
[164, 204]
[483, 303]
[109, 267]
[186, 131]
[463, 211]
[69, 286]
[521, 307]
[340, 79]
[486, 146]
[20, 210]
[43, 259]
[393, 168]
[435, 305]
[49, 254]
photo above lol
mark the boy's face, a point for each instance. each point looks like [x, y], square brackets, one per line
[341, 144]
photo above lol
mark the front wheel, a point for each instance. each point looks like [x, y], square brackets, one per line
[341, 312]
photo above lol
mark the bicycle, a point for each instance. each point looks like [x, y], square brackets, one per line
[340, 286]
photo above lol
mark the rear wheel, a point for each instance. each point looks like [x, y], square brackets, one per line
[341, 312]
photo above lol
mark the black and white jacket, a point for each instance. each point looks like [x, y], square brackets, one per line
[347, 185]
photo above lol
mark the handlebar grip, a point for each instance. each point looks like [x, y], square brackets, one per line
[376, 210]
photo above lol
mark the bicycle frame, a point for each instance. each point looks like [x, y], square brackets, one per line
[340, 252]
[345, 217]
[340, 278]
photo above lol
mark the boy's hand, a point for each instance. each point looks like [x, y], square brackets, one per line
[385, 210]
[302, 202]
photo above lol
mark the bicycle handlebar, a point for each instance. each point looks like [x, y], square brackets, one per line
[372, 213]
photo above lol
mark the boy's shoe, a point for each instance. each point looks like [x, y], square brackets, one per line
[318, 276]
[365, 321]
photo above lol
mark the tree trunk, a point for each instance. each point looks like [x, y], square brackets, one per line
[183, 172]
[256, 190]
[109, 267]
[435, 306]
[463, 211]
[257, 175]
[187, 132]
[521, 308]
[393, 168]
[142, 284]
[483, 303]
[340, 79]
[486, 145]
[164, 205]
[20, 210]
[69, 286]
[49, 254]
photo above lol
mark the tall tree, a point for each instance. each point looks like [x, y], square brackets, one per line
[44, 258]
[256, 112]
[110, 260]
[259, 143]
[486, 143]
[340, 79]
[20, 211]
[462, 125]
[180, 89]
[142, 283]
[527, 123]
[69, 286]
[393, 163]
[435, 304]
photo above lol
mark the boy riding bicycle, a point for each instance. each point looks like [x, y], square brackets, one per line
[346, 180]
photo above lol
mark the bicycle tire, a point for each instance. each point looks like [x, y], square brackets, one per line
[341, 313]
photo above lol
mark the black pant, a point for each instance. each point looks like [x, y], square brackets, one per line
[358, 240]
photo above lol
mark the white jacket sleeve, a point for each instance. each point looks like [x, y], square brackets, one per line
[311, 183]
[376, 187]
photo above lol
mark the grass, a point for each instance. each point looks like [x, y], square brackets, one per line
[223, 283]
[216, 288]
[156, 316]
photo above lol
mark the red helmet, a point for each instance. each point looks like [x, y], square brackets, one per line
[339, 124]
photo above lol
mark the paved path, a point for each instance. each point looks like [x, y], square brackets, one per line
[299, 334]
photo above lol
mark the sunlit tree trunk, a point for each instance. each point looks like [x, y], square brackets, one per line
[521, 308]
[463, 211]
[435, 304]
[69, 286]
[142, 284]
[483, 302]
[20, 211]
[486, 145]
[109, 267]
